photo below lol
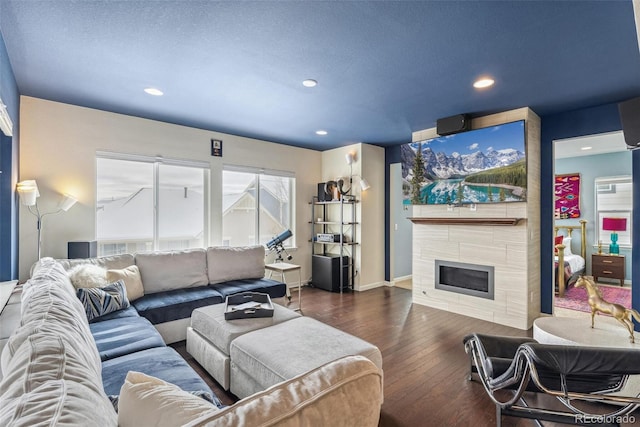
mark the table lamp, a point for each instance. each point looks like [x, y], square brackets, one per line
[614, 225]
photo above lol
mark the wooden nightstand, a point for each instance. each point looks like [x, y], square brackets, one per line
[609, 266]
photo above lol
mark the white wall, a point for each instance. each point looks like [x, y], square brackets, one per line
[58, 145]
[368, 163]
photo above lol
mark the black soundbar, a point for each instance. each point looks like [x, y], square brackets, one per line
[453, 124]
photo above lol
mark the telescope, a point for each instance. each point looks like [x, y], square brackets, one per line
[275, 244]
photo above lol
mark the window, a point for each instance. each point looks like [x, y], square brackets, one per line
[613, 200]
[256, 206]
[146, 204]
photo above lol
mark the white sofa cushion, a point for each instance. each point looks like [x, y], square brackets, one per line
[108, 262]
[146, 400]
[50, 307]
[226, 263]
[350, 386]
[51, 366]
[164, 271]
[343, 393]
[59, 403]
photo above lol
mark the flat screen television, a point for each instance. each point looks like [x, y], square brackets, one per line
[486, 165]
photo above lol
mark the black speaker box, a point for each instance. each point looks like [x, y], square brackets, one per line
[325, 272]
[630, 118]
[453, 124]
[322, 195]
[77, 250]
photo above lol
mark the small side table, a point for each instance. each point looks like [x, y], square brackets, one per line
[282, 268]
[609, 266]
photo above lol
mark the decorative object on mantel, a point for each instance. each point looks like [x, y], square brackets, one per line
[599, 304]
[486, 165]
[567, 196]
[464, 221]
[613, 225]
[28, 191]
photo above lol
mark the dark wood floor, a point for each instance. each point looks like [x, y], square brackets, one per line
[425, 366]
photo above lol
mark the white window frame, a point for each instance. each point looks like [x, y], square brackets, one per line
[605, 185]
[290, 243]
[157, 161]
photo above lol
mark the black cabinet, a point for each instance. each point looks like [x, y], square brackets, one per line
[77, 250]
[326, 272]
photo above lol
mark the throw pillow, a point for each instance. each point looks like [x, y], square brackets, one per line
[567, 246]
[131, 278]
[100, 301]
[146, 400]
[88, 276]
[557, 241]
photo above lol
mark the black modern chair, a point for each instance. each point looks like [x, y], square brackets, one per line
[509, 366]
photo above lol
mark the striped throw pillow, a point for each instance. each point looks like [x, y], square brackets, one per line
[100, 301]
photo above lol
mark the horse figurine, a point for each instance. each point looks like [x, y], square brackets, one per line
[598, 303]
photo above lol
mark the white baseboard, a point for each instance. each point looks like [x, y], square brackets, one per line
[370, 286]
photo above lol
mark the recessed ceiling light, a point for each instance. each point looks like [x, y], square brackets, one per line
[153, 91]
[321, 132]
[483, 83]
[586, 148]
[309, 83]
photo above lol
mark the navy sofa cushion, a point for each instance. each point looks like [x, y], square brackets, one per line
[160, 362]
[176, 304]
[272, 287]
[117, 337]
[125, 312]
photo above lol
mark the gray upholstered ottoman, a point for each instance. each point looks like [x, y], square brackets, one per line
[210, 335]
[262, 358]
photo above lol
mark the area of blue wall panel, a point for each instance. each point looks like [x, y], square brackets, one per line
[589, 121]
[9, 167]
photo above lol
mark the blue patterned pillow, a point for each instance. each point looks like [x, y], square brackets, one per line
[100, 301]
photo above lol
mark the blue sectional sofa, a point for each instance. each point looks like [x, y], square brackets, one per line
[58, 369]
[177, 282]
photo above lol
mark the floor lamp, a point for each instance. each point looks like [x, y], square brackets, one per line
[28, 191]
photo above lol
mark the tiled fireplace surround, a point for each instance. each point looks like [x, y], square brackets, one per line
[481, 236]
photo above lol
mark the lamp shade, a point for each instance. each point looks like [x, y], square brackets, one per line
[364, 185]
[614, 224]
[28, 191]
[67, 202]
[349, 157]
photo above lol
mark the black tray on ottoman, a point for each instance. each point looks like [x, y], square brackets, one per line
[248, 305]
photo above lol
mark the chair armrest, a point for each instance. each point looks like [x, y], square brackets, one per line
[498, 346]
[578, 360]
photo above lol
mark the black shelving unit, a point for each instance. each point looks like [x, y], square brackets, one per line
[333, 266]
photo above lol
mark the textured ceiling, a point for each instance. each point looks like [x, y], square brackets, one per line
[385, 69]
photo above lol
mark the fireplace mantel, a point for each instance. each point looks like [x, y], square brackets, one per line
[465, 221]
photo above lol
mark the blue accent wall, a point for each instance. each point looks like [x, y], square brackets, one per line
[588, 121]
[9, 168]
